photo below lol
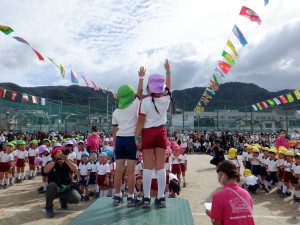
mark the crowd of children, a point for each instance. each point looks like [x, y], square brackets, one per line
[266, 167]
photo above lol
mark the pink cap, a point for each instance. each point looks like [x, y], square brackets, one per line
[37, 160]
[168, 143]
[156, 83]
[175, 145]
[69, 143]
[168, 150]
[182, 146]
[111, 139]
[42, 149]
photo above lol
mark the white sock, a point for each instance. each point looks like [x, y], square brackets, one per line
[266, 184]
[31, 173]
[297, 194]
[113, 192]
[130, 195]
[279, 184]
[12, 180]
[147, 177]
[97, 188]
[105, 193]
[45, 184]
[9, 175]
[123, 187]
[183, 177]
[109, 191]
[19, 176]
[284, 189]
[101, 193]
[23, 175]
[119, 194]
[161, 182]
[270, 183]
[167, 194]
[2, 182]
[7, 181]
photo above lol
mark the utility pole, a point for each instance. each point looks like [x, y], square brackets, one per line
[183, 113]
[286, 120]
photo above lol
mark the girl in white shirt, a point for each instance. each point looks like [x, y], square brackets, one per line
[22, 157]
[32, 154]
[6, 164]
[152, 117]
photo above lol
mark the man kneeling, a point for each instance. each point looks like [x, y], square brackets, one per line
[59, 181]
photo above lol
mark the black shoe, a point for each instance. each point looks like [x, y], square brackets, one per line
[288, 194]
[117, 200]
[91, 194]
[138, 201]
[42, 191]
[30, 177]
[97, 195]
[63, 203]
[266, 190]
[130, 202]
[49, 212]
[4, 186]
[85, 198]
[184, 184]
[296, 199]
[161, 203]
[41, 188]
[146, 203]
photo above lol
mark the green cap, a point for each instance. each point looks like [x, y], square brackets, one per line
[21, 142]
[63, 140]
[77, 138]
[35, 142]
[46, 139]
[126, 94]
[14, 142]
[10, 144]
[54, 140]
[81, 137]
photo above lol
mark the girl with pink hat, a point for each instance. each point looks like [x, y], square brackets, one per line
[183, 163]
[176, 159]
[152, 117]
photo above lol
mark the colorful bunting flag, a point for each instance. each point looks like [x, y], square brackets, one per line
[205, 99]
[266, 2]
[290, 97]
[207, 95]
[35, 100]
[277, 101]
[271, 102]
[4, 93]
[1, 93]
[51, 60]
[250, 14]
[213, 86]
[297, 94]
[25, 98]
[216, 81]
[254, 108]
[239, 35]
[283, 99]
[62, 71]
[43, 101]
[86, 83]
[232, 48]
[228, 58]
[22, 40]
[96, 88]
[74, 78]
[259, 106]
[41, 58]
[219, 72]
[204, 102]
[210, 90]
[14, 95]
[265, 104]
[225, 67]
[6, 30]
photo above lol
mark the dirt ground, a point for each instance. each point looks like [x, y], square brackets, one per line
[21, 204]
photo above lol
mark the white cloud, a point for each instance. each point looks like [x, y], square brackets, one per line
[109, 40]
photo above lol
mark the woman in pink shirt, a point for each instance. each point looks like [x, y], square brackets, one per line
[232, 205]
[93, 141]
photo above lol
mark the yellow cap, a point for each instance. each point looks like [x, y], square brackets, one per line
[255, 149]
[257, 145]
[282, 150]
[272, 150]
[247, 173]
[298, 154]
[232, 152]
[266, 149]
[289, 153]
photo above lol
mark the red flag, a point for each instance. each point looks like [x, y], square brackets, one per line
[205, 99]
[87, 83]
[225, 67]
[25, 98]
[41, 58]
[14, 95]
[265, 104]
[1, 93]
[250, 14]
[96, 88]
[283, 99]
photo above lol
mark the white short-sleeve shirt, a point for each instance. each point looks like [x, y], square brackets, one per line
[84, 168]
[272, 164]
[112, 166]
[296, 168]
[138, 168]
[175, 160]
[126, 119]
[94, 167]
[288, 166]
[103, 169]
[72, 156]
[46, 159]
[32, 152]
[153, 118]
[4, 157]
[184, 158]
[21, 154]
[250, 180]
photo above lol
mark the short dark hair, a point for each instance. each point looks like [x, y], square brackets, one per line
[282, 130]
[94, 128]
[229, 169]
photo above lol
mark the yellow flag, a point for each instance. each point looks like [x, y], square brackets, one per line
[4, 93]
[297, 94]
[231, 46]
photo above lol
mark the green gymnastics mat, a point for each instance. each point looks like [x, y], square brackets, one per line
[103, 212]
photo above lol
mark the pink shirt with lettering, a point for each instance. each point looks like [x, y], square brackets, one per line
[282, 142]
[230, 209]
[94, 142]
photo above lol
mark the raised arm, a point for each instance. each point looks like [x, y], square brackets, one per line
[168, 74]
[141, 73]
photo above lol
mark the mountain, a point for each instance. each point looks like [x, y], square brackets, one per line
[232, 95]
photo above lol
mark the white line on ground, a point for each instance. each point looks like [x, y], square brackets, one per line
[261, 216]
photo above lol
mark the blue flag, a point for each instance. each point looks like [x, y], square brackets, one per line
[74, 78]
[239, 35]
[266, 2]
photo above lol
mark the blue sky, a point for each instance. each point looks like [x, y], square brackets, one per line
[109, 40]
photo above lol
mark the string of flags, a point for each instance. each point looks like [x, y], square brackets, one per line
[74, 78]
[4, 93]
[282, 99]
[228, 58]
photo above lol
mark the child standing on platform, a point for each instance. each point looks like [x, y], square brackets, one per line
[124, 121]
[152, 117]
